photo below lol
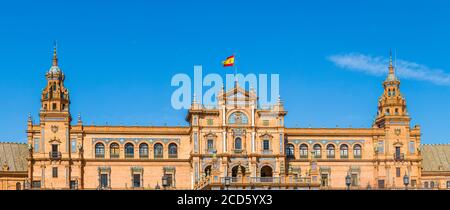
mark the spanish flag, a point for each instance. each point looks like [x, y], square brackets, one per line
[229, 61]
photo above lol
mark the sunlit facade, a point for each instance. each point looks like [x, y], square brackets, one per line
[236, 144]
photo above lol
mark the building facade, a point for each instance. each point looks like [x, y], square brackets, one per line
[236, 144]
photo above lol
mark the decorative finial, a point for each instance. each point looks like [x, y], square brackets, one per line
[79, 118]
[55, 54]
[391, 67]
[29, 117]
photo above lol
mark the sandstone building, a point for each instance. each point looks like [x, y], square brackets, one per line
[236, 144]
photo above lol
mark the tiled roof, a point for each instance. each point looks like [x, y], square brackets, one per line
[14, 155]
[436, 157]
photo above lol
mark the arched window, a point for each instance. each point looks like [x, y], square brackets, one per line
[158, 150]
[448, 184]
[290, 152]
[143, 150]
[18, 186]
[238, 143]
[99, 150]
[357, 151]
[238, 118]
[129, 150]
[235, 170]
[425, 185]
[266, 174]
[317, 151]
[431, 184]
[330, 151]
[344, 151]
[303, 151]
[208, 170]
[114, 150]
[173, 151]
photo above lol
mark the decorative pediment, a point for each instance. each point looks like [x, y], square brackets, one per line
[266, 136]
[54, 140]
[398, 143]
[210, 135]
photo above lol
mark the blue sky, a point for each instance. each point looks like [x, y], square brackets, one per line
[119, 57]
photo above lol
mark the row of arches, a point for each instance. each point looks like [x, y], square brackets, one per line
[114, 150]
[265, 171]
[330, 150]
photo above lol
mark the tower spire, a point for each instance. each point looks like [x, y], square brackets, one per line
[55, 54]
[391, 67]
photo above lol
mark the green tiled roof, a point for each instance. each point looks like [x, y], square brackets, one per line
[14, 155]
[436, 157]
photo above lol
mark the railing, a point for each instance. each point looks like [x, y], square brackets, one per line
[54, 155]
[330, 156]
[210, 107]
[99, 155]
[114, 156]
[238, 151]
[399, 157]
[143, 156]
[173, 155]
[267, 152]
[303, 156]
[129, 155]
[158, 156]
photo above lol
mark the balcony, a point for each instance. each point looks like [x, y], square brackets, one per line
[267, 152]
[128, 155]
[99, 155]
[54, 155]
[288, 182]
[399, 156]
[114, 155]
[158, 156]
[143, 156]
[173, 155]
[239, 151]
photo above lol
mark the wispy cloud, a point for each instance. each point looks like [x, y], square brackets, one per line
[376, 65]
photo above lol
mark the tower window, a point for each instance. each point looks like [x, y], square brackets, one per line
[55, 172]
[266, 144]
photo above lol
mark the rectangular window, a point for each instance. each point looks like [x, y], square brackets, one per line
[354, 179]
[104, 180]
[397, 172]
[55, 172]
[381, 147]
[54, 106]
[169, 180]
[209, 121]
[36, 184]
[210, 145]
[73, 145]
[381, 184]
[324, 180]
[413, 183]
[266, 144]
[73, 184]
[54, 148]
[36, 145]
[266, 122]
[412, 147]
[136, 180]
[195, 142]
